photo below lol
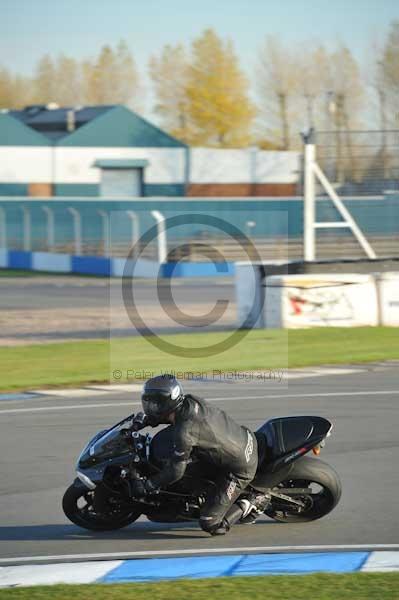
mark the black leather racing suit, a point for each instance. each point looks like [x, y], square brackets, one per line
[212, 436]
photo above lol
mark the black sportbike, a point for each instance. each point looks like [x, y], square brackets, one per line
[298, 488]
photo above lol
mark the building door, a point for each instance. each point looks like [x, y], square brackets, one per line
[121, 182]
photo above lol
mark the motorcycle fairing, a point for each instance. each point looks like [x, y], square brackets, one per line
[283, 439]
[106, 444]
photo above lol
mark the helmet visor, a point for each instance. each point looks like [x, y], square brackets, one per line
[155, 405]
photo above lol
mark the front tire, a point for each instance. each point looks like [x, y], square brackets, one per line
[77, 505]
[313, 474]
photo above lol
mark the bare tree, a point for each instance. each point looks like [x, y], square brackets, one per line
[314, 84]
[68, 75]
[6, 93]
[277, 83]
[44, 81]
[347, 86]
[388, 77]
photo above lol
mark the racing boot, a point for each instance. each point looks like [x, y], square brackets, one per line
[252, 507]
[222, 529]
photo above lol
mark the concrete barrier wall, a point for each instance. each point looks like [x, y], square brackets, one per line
[3, 258]
[296, 301]
[250, 296]
[113, 267]
[138, 268]
[267, 297]
[45, 261]
[388, 298]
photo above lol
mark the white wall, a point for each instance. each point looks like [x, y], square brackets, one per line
[75, 165]
[25, 164]
[210, 165]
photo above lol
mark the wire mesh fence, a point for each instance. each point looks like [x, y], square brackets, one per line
[360, 162]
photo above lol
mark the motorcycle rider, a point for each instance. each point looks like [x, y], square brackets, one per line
[209, 434]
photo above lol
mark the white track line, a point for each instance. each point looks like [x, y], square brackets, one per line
[70, 393]
[317, 372]
[70, 407]
[383, 562]
[89, 390]
[221, 399]
[197, 551]
[49, 574]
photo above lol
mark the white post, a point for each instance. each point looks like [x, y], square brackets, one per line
[312, 172]
[77, 226]
[162, 244]
[135, 228]
[27, 244]
[309, 202]
[50, 228]
[105, 219]
[339, 205]
[3, 228]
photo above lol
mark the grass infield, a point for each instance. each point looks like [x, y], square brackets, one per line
[94, 361]
[352, 586]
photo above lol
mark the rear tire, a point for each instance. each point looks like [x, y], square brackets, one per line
[77, 505]
[326, 492]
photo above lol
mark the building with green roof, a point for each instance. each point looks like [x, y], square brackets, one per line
[88, 151]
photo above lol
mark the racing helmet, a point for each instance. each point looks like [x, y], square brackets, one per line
[161, 396]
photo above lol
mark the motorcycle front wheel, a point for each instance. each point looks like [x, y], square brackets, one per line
[78, 506]
[321, 492]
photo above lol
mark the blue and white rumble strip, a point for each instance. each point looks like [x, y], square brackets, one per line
[197, 567]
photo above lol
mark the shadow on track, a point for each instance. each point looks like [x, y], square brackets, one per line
[138, 531]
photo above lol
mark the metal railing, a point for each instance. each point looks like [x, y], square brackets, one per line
[51, 226]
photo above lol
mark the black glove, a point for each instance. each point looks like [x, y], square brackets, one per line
[141, 488]
[139, 421]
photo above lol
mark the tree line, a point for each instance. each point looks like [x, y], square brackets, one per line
[203, 97]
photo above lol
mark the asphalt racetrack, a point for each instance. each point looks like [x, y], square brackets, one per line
[47, 292]
[41, 438]
[43, 309]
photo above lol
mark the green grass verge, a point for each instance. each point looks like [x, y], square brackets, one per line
[17, 273]
[71, 363]
[353, 586]
[24, 273]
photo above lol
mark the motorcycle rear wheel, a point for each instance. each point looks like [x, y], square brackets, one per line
[325, 487]
[77, 505]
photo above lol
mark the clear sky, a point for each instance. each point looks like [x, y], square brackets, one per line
[31, 28]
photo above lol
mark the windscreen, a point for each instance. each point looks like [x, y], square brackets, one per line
[113, 442]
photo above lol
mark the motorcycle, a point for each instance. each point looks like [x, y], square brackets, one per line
[298, 488]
